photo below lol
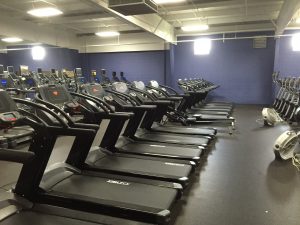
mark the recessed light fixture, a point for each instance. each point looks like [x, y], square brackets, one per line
[192, 28]
[45, 12]
[161, 2]
[108, 33]
[11, 39]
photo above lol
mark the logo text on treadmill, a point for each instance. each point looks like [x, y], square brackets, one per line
[174, 164]
[118, 182]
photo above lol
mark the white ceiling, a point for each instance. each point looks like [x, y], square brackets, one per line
[82, 18]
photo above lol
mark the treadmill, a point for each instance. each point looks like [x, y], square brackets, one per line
[23, 210]
[127, 145]
[179, 113]
[202, 88]
[155, 125]
[17, 210]
[105, 159]
[199, 109]
[21, 134]
[65, 186]
[191, 97]
[173, 118]
[135, 132]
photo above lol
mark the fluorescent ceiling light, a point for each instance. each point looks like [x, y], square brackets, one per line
[38, 53]
[108, 33]
[296, 42]
[45, 12]
[195, 28]
[298, 20]
[11, 39]
[202, 46]
[167, 1]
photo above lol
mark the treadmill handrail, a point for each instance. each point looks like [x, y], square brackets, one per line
[50, 105]
[35, 117]
[25, 102]
[159, 90]
[100, 100]
[98, 103]
[142, 92]
[16, 156]
[169, 88]
[20, 90]
[129, 98]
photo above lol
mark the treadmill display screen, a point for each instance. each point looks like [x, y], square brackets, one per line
[3, 82]
[78, 72]
[24, 70]
[30, 81]
[10, 69]
[9, 116]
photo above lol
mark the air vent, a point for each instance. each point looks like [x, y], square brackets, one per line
[133, 7]
[260, 42]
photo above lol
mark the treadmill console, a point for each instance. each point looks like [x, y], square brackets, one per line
[4, 83]
[9, 117]
[8, 110]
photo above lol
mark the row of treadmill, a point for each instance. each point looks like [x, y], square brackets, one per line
[285, 109]
[151, 148]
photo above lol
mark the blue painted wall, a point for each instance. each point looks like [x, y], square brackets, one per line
[56, 58]
[143, 66]
[3, 59]
[244, 73]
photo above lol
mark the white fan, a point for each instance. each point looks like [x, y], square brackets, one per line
[271, 117]
[286, 144]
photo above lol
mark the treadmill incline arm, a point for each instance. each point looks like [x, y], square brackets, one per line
[127, 97]
[97, 102]
[169, 88]
[35, 105]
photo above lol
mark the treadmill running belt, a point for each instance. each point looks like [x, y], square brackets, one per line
[159, 149]
[185, 130]
[143, 166]
[33, 218]
[175, 139]
[121, 192]
[210, 117]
